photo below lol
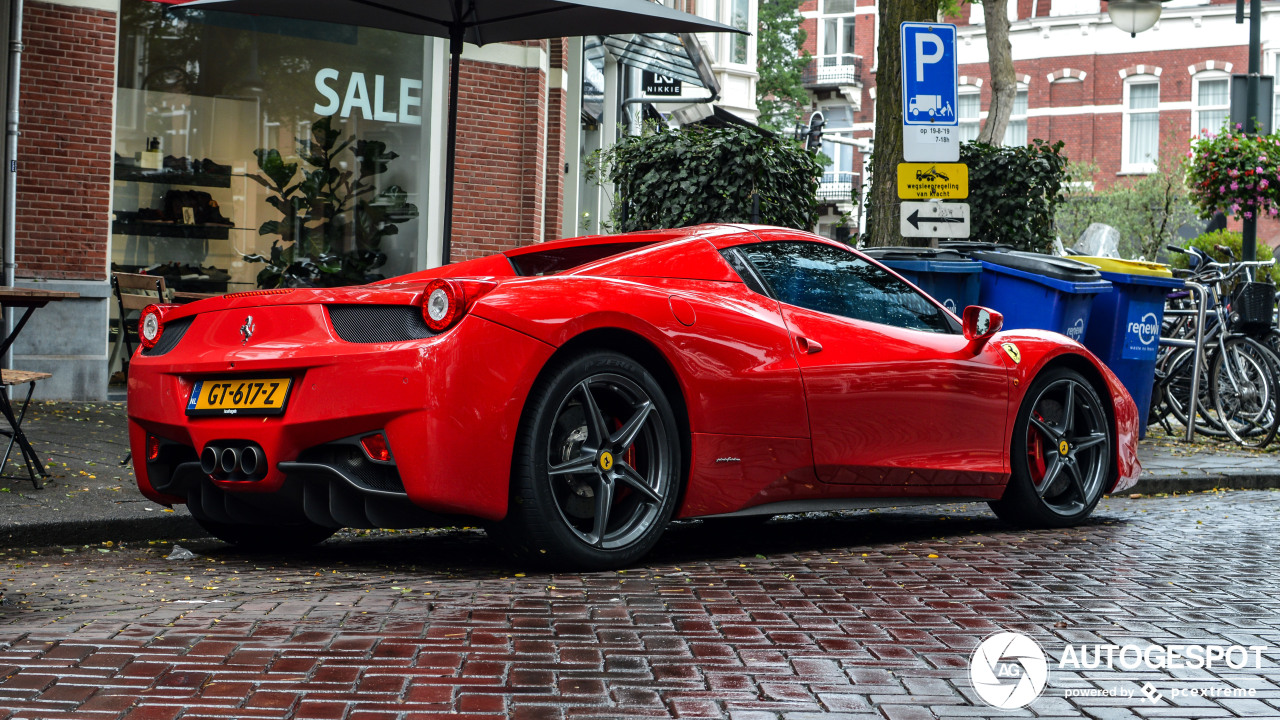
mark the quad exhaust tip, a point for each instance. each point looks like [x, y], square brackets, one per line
[238, 461]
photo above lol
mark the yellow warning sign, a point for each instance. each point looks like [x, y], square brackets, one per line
[933, 181]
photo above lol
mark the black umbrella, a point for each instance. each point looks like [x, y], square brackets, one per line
[479, 22]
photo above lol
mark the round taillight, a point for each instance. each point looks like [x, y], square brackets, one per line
[441, 304]
[150, 326]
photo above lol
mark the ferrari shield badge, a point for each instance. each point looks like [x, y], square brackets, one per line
[1012, 351]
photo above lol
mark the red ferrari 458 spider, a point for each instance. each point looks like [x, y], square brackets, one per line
[576, 396]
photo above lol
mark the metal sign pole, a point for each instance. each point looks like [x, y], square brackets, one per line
[11, 162]
[1198, 359]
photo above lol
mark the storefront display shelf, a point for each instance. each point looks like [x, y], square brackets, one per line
[172, 230]
[128, 173]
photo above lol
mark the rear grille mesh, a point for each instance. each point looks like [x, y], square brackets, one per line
[170, 337]
[348, 459]
[378, 323]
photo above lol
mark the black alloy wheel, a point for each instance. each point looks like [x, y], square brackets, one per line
[1060, 453]
[596, 471]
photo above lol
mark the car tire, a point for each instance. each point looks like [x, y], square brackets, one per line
[597, 465]
[1061, 453]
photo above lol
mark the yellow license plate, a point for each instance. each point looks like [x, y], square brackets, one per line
[240, 396]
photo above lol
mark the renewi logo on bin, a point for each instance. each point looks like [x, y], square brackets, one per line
[1075, 330]
[1142, 332]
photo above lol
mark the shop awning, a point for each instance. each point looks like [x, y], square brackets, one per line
[670, 54]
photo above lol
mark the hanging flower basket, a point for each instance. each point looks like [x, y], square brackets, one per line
[1236, 173]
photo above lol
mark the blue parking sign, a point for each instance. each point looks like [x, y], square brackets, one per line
[929, 74]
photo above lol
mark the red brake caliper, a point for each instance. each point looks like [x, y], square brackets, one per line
[1035, 453]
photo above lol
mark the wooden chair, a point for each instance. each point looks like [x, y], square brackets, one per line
[133, 294]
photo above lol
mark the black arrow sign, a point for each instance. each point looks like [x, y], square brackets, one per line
[915, 219]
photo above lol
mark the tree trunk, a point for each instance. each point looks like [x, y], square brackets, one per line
[883, 204]
[1004, 83]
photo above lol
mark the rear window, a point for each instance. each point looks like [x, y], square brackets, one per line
[550, 262]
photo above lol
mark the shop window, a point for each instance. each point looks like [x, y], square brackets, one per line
[1140, 134]
[202, 95]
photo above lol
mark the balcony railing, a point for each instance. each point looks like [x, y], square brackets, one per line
[834, 71]
[831, 190]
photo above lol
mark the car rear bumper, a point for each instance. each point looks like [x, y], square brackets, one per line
[449, 407]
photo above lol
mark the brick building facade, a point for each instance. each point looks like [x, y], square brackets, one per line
[128, 110]
[1077, 76]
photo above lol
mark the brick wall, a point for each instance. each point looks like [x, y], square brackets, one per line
[65, 153]
[499, 198]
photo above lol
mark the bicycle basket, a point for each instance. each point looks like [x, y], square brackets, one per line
[1253, 306]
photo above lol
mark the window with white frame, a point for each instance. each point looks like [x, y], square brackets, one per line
[1140, 134]
[740, 18]
[1210, 102]
[1075, 7]
[1015, 133]
[968, 108]
[1275, 105]
[839, 123]
[976, 16]
[835, 33]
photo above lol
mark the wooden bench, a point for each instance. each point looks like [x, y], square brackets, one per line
[9, 378]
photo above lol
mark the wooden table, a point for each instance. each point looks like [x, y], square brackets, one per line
[29, 298]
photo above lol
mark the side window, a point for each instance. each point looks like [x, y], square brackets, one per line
[834, 281]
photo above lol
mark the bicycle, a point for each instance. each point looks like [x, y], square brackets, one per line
[1239, 375]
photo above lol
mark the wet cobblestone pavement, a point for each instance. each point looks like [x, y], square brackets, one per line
[870, 614]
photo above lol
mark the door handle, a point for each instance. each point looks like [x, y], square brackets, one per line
[807, 346]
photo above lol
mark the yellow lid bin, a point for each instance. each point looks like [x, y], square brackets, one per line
[1129, 267]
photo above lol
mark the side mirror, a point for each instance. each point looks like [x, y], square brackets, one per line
[980, 323]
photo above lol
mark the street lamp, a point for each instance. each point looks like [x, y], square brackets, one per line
[1134, 16]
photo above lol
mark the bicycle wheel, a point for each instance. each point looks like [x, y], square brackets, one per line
[1242, 380]
[1177, 389]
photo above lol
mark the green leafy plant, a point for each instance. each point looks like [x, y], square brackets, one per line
[333, 218]
[1014, 192]
[782, 62]
[674, 178]
[1236, 173]
[1146, 210]
[1209, 243]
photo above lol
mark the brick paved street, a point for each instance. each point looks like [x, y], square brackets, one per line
[857, 615]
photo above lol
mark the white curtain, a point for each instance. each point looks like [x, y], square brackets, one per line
[1015, 133]
[968, 106]
[1144, 127]
[1213, 105]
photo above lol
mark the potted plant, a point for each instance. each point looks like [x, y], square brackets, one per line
[333, 218]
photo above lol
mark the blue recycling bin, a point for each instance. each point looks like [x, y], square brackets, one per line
[951, 278]
[1125, 332]
[1040, 291]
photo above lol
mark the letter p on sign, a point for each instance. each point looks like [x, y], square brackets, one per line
[922, 58]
